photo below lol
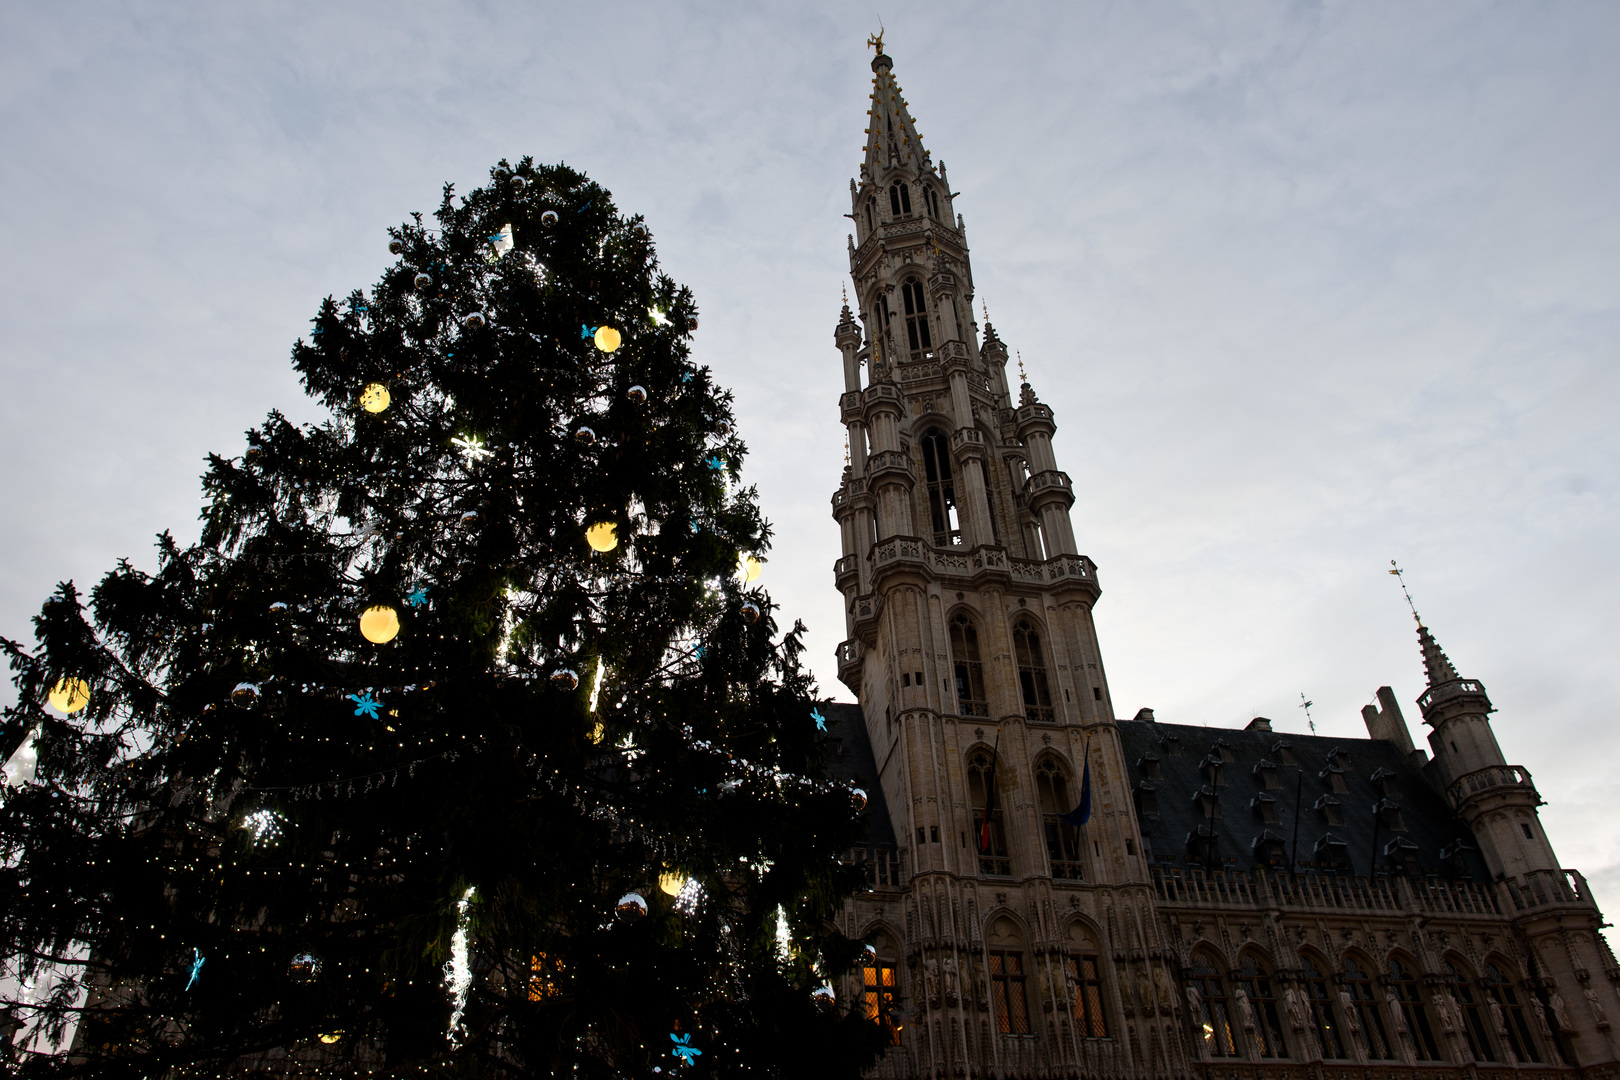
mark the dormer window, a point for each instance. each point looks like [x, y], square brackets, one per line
[1265, 774]
[1384, 779]
[1222, 751]
[1147, 799]
[1268, 849]
[900, 198]
[1284, 752]
[1208, 803]
[1403, 855]
[1332, 852]
[1211, 768]
[1172, 745]
[1266, 807]
[1334, 777]
[1148, 765]
[1330, 808]
[1389, 815]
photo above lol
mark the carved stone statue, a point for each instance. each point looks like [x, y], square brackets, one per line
[953, 979]
[1195, 1002]
[1598, 1014]
[1541, 1016]
[1347, 1007]
[1144, 995]
[1445, 1006]
[1245, 1010]
[1397, 1014]
[931, 978]
[1498, 1021]
[1560, 1012]
[1294, 1005]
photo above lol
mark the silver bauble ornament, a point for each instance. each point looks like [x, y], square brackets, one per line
[565, 679]
[637, 395]
[631, 907]
[245, 695]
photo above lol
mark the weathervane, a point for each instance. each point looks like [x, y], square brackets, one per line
[1023, 378]
[1400, 576]
[1306, 705]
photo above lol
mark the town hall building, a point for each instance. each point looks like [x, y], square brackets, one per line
[1239, 902]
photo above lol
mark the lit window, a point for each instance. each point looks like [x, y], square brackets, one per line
[1007, 992]
[1085, 974]
[1214, 1021]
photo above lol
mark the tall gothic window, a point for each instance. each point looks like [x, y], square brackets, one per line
[1473, 1024]
[1007, 992]
[1086, 975]
[1256, 983]
[871, 216]
[900, 198]
[932, 200]
[1403, 981]
[936, 451]
[1032, 672]
[1499, 990]
[970, 699]
[882, 984]
[1062, 839]
[1215, 1017]
[993, 858]
[1322, 1015]
[1359, 983]
[916, 315]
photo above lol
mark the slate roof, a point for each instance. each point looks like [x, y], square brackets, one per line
[1184, 754]
[853, 761]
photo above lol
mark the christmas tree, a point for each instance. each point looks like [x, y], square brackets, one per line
[463, 741]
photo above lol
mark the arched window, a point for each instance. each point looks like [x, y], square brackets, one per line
[1323, 1017]
[1212, 1016]
[932, 200]
[881, 979]
[871, 216]
[1032, 672]
[1473, 1024]
[900, 198]
[916, 302]
[1371, 1017]
[991, 842]
[1256, 984]
[1499, 992]
[880, 314]
[1403, 984]
[970, 699]
[1062, 839]
[1007, 992]
[1085, 972]
[936, 451]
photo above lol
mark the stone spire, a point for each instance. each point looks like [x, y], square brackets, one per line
[1435, 662]
[891, 137]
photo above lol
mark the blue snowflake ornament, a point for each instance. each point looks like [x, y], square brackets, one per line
[586, 332]
[716, 464]
[365, 704]
[684, 1048]
[417, 597]
[821, 721]
[196, 967]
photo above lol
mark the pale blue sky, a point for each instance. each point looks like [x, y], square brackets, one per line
[1309, 286]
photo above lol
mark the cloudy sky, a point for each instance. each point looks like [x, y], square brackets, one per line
[1309, 286]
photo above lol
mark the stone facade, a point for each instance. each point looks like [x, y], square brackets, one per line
[1239, 903]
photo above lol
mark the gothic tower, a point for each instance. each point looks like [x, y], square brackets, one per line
[972, 650]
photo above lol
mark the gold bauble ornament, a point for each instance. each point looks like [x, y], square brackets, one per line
[380, 624]
[69, 695]
[603, 536]
[748, 568]
[607, 338]
[672, 882]
[375, 398]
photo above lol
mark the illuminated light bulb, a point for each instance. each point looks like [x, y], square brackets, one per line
[380, 624]
[69, 695]
[748, 568]
[375, 398]
[603, 536]
[607, 338]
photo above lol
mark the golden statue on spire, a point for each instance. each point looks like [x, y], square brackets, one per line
[876, 40]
